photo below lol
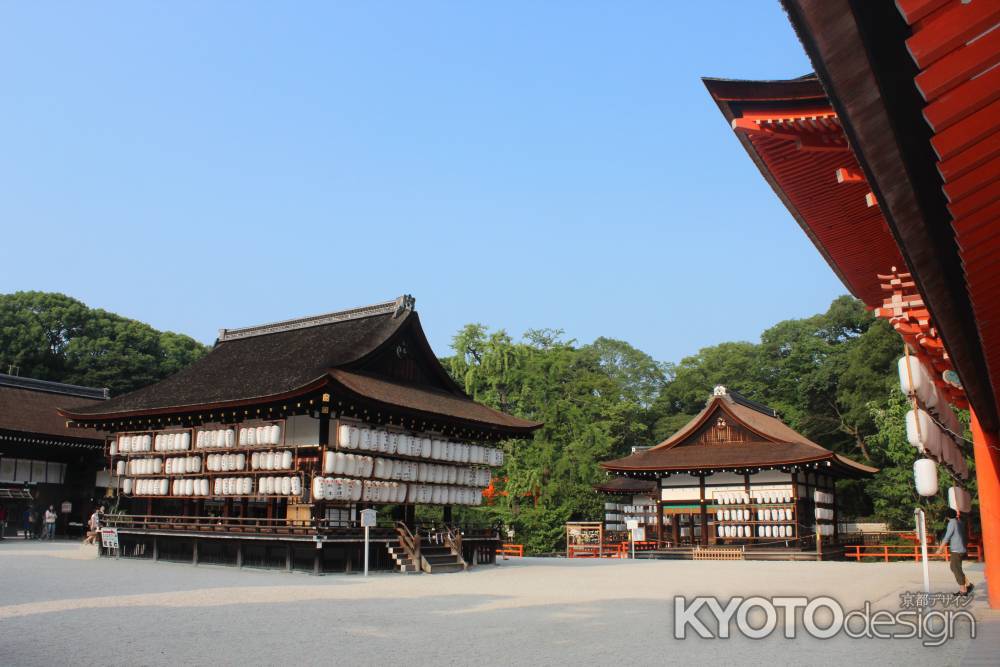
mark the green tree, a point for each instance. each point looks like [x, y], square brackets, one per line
[55, 337]
[892, 490]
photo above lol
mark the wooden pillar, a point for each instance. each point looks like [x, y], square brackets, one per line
[658, 504]
[319, 506]
[703, 511]
[156, 548]
[795, 506]
[986, 447]
[239, 553]
[446, 514]
[288, 558]
[194, 552]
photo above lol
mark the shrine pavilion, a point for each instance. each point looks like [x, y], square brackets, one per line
[266, 450]
[734, 475]
[888, 157]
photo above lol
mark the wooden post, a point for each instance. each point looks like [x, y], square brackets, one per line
[156, 548]
[239, 553]
[703, 511]
[288, 558]
[194, 552]
[795, 506]
[986, 448]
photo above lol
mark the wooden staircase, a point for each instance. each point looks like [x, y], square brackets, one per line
[432, 555]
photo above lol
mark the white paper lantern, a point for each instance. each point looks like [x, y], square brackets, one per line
[959, 499]
[425, 448]
[286, 460]
[925, 476]
[296, 487]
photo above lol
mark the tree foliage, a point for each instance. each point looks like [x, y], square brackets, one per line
[54, 337]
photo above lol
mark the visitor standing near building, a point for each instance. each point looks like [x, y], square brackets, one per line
[954, 538]
[3, 521]
[50, 523]
[28, 522]
[94, 526]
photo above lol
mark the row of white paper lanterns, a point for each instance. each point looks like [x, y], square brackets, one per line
[823, 497]
[132, 443]
[343, 489]
[747, 531]
[923, 433]
[766, 497]
[775, 514]
[247, 436]
[145, 487]
[824, 513]
[357, 465]
[156, 466]
[918, 382]
[824, 529]
[229, 486]
[403, 444]
[258, 461]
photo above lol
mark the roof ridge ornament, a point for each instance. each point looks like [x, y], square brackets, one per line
[395, 307]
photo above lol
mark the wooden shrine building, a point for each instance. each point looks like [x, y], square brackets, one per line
[734, 475]
[266, 450]
[42, 461]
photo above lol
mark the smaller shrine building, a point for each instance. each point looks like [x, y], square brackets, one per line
[735, 474]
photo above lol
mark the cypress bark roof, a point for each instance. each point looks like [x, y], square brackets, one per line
[345, 350]
[770, 442]
[28, 406]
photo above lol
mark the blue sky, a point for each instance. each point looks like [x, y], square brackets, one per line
[558, 164]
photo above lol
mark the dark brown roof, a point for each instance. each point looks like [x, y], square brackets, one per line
[626, 485]
[427, 400]
[349, 352]
[31, 406]
[256, 367]
[778, 445]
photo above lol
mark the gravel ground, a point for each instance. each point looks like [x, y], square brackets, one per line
[59, 604]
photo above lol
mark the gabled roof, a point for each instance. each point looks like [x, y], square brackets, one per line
[347, 350]
[773, 443]
[28, 408]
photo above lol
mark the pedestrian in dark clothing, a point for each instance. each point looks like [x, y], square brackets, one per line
[28, 523]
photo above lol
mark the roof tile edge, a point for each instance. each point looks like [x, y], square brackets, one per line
[396, 307]
[34, 384]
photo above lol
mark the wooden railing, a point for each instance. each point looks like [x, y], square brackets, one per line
[453, 540]
[210, 524]
[410, 544]
[890, 552]
[511, 551]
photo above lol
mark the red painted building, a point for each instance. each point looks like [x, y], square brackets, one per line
[889, 159]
